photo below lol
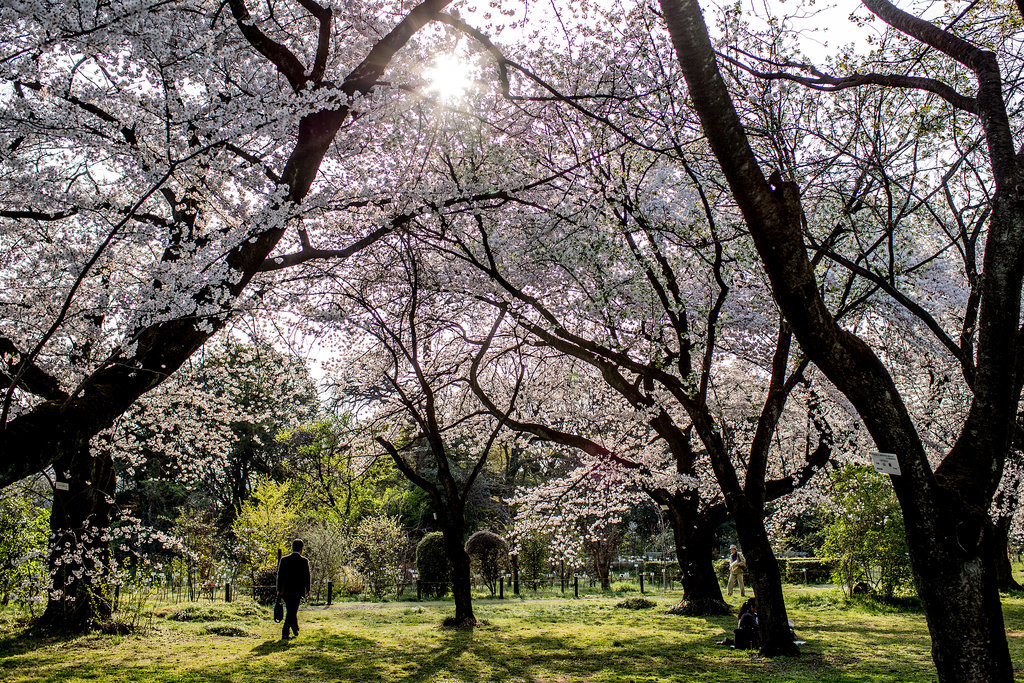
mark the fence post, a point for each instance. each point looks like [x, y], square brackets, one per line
[227, 591]
[330, 592]
[576, 585]
[501, 587]
[515, 580]
[641, 582]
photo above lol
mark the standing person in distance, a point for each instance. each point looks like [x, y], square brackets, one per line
[736, 566]
[292, 585]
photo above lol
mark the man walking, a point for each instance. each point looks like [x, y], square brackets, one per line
[292, 586]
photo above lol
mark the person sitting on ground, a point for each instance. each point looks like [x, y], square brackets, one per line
[748, 615]
[748, 635]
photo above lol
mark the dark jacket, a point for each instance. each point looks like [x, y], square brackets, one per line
[293, 575]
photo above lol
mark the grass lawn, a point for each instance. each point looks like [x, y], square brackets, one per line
[586, 639]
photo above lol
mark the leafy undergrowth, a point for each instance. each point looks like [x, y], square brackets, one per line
[871, 604]
[588, 639]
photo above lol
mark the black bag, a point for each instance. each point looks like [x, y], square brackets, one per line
[747, 638]
[278, 611]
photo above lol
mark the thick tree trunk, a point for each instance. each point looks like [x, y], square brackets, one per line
[461, 576]
[764, 576]
[956, 582]
[694, 536]
[602, 554]
[79, 557]
[1000, 556]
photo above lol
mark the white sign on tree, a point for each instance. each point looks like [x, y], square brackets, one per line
[885, 463]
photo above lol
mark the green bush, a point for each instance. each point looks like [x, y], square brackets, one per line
[264, 585]
[349, 581]
[377, 547]
[722, 570]
[864, 533]
[489, 554]
[636, 603]
[432, 565]
[819, 569]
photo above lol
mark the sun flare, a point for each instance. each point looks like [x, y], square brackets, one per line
[448, 77]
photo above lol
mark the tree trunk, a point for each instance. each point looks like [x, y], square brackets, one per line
[764, 576]
[461, 576]
[694, 536]
[956, 582]
[79, 560]
[1000, 557]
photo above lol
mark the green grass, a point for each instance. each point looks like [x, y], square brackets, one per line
[556, 639]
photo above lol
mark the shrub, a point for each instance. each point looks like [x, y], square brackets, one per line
[264, 585]
[636, 603]
[349, 582]
[819, 569]
[865, 533]
[489, 552]
[432, 565]
[378, 547]
[722, 570]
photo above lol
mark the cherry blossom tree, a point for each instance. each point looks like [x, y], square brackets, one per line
[945, 507]
[409, 345]
[155, 157]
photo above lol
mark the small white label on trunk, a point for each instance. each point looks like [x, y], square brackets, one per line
[886, 463]
[61, 486]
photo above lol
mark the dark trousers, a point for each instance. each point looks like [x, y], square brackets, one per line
[291, 613]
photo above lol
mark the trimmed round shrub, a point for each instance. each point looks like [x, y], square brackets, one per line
[489, 552]
[432, 565]
[264, 585]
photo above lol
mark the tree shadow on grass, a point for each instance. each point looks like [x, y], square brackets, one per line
[271, 646]
[24, 640]
[454, 646]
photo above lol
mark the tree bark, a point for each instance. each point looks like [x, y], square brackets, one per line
[462, 577]
[1000, 558]
[79, 559]
[694, 537]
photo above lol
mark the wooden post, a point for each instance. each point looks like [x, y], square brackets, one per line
[330, 592]
[641, 582]
[515, 579]
[501, 587]
[576, 585]
[227, 592]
